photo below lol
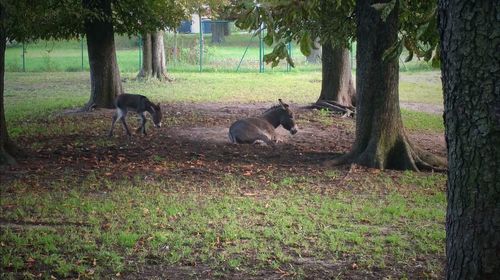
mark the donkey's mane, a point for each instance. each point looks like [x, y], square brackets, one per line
[272, 108]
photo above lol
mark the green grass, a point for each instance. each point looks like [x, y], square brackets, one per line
[96, 228]
[51, 92]
[161, 223]
[421, 87]
[422, 121]
[53, 56]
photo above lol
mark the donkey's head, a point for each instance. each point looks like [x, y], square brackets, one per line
[156, 113]
[286, 118]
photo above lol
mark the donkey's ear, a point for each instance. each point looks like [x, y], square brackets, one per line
[158, 105]
[283, 104]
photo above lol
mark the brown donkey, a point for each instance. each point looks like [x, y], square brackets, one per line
[261, 129]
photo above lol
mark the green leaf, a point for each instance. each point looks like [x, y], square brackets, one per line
[290, 61]
[305, 44]
[436, 59]
[410, 56]
[385, 9]
[428, 55]
[435, 62]
[422, 29]
[275, 63]
[268, 39]
[394, 51]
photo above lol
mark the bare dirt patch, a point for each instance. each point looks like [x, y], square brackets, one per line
[193, 144]
[193, 136]
[423, 107]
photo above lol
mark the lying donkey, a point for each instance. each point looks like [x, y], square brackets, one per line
[260, 130]
[139, 104]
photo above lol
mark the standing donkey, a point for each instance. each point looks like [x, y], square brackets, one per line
[139, 104]
[261, 130]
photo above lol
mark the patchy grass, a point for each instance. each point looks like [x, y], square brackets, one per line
[421, 87]
[89, 231]
[38, 95]
[53, 56]
[422, 121]
[89, 206]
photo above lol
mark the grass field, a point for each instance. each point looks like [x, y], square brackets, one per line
[89, 206]
[55, 91]
[54, 56]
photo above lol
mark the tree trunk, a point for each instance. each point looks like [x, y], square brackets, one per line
[104, 73]
[8, 151]
[218, 33]
[147, 57]
[154, 59]
[227, 29]
[381, 141]
[471, 84]
[315, 55]
[336, 83]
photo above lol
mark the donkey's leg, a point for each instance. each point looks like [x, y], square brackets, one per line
[142, 128]
[115, 117]
[122, 114]
[124, 123]
[264, 141]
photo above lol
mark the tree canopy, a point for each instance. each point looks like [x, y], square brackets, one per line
[63, 19]
[334, 21]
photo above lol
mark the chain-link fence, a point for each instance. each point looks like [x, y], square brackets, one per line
[233, 51]
[223, 48]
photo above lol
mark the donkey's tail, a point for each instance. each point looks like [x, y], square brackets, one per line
[231, 138]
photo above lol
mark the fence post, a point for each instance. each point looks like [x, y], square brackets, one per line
[201, 43]
[288, 66]
[24, 58]
[82, 50]
[261, 51]
[139, 42]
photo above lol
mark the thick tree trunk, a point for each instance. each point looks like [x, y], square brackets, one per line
[8, 151]
[218, 33]
[337, 84]
[315, 56]
[471, 84]
[381, 141]
[154, 59]
[147, 57]
[227, 29]
[104, 73]
[158, 56]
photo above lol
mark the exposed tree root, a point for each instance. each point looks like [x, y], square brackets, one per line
[429, 162]
[402, 156]
[9, 153]
[334, 106]
[6, 158]
[90, 106]
[160, 77]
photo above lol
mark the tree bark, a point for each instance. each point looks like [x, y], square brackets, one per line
[218, 33]
[381, 141]
[336, 83]
[471, 84]
[227, 29]
[315, 55]
[147, 57]
[8, 150]
[154, 59]
[104, 73]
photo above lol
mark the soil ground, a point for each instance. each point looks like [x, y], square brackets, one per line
[193, 142]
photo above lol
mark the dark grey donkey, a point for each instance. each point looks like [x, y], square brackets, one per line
[139, 104]
[261, 130]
